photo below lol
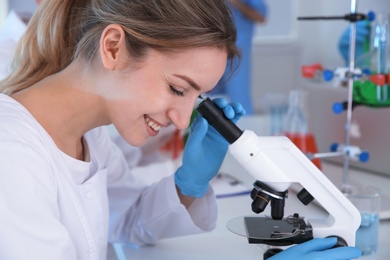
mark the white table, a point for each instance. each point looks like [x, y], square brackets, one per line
[223, 244]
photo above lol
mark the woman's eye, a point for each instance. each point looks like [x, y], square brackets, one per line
[176, 92]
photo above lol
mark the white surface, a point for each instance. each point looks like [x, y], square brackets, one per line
[225, 185]
[223, 244]
[218, 244]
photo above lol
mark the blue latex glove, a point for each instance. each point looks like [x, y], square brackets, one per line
[363, 31]
[259, 5]
[204, 152]
[318, 249]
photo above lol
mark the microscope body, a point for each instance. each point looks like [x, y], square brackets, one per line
[278, 163]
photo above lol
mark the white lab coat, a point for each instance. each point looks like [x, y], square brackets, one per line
[53, 206]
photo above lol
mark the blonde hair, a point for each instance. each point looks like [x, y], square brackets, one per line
[64, 30]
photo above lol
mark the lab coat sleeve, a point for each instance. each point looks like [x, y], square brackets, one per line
[29, 217]
[142, 214]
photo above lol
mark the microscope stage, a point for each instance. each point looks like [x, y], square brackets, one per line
[288, 231]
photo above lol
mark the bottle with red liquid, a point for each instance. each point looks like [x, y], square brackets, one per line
[296, 126]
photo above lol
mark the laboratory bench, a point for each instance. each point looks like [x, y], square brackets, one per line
[221, 243]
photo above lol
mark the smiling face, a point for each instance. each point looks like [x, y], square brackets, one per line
[161, 90]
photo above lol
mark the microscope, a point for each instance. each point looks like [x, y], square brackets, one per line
[276, 163]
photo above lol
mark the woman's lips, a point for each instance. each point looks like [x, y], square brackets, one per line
[152, 126]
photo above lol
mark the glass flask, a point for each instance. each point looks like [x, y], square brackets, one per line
[296, 126]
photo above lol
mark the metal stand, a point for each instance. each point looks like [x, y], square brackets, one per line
[346, 184]
[347, 151]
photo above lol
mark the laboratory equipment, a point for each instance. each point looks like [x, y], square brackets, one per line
[373, 90]
[276, 163]
[367, 200]
[174, 146]
[371, 82]
[381, 39]
[275, 104]
[320, 73]
[350, 75]
[296, 125]
[352, 17]
[312, 71]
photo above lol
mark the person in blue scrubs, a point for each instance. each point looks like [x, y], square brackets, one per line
[238, 87]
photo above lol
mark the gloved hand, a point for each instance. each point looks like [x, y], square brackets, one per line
[259, 5]
[363, 31]
[204, 152]
[319, 249]
[246, 8]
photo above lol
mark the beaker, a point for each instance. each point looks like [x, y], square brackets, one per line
[367, 200]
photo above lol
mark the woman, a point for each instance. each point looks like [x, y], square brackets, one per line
[139, 65]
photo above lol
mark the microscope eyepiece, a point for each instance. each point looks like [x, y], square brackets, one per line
[215, 116]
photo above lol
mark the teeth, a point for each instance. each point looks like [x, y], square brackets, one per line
[153, 125]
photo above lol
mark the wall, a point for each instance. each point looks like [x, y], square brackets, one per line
[3, 11]
[22, 6]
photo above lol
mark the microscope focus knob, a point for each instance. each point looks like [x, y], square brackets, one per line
[305, 197]
[340, 242]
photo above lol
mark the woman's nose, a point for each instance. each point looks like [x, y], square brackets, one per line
[180, 115]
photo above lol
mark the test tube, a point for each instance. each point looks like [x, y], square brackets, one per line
[381, 38]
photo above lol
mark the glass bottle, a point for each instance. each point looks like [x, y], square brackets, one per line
[377, 62]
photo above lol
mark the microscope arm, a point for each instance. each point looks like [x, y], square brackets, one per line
[278, 163]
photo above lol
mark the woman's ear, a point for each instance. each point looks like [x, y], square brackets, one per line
[113, 47]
